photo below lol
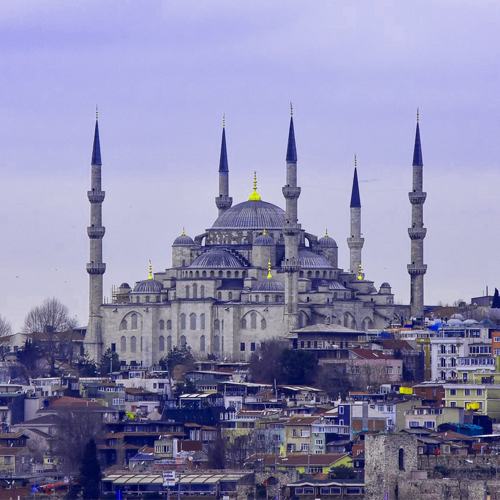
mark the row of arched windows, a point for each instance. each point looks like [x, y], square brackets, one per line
[213, 274]
[267, 298]
[192, 321]
[124, 325]
[253, 322]
[162, 343]
[195, 292]
[317, 274]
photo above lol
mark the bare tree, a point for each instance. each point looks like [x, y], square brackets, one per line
[76, 427]
[5, 327]
[45, 323]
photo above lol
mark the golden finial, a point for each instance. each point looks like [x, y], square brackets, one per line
[326, 233]
[360, 276]
[96, 112]
[183, 232]
[417, 115]
[224, 120]
[264, 232]
[291, 108]
[150, 270]
[269, 275]
[355, 161]
[255, 196]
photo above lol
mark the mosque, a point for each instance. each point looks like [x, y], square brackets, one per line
[254, 274]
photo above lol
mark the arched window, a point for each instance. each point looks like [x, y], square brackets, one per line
[161, 343]
[401, 459]
[256, 298]
[221, 274]
[443, 375]
[453, 349]
[228, 274]
[276, 298]
[216, 344]
[442, 362]
[253, 321]
[309, 274]
[183, 341]
[263, 324]
[243, 324]
[301, 274]
[183, 321]
[266, 298]
[197, 274]
[442, 349]
[230, 296]
[202, 343]
[169, 324]
[169, 343]
[195, 291]
[236, 274]
[453, 362]
[202, 291]
[216, 324]
[335, 295]
[192, 321]
[124, 325]
[123, 344]
[133, 344]
[190, 274]
[219, 295]
[187, 292]
[147, 299]
[204, 274]
[141, 344]
[134, 321]
[161, 323]
[202, 321]
[212, 274]
[138, 299]
[157, 298]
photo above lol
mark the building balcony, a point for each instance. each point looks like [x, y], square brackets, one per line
[417, 269]
[96, 196]
[417, 233]
[96, 268]
[417, 198]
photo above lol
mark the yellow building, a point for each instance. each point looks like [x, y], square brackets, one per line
[482, 398]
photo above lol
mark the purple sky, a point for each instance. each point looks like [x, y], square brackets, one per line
[163, 74]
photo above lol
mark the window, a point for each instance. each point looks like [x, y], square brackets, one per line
[202, 343]
[161, 343]
[195, 291]
[253, 321]
[390, 370]
[123, 325]
[429, 424]
[262, 324]
[479, 392]
[133, 344]
[187, 292]
[183, 321]
[341, 410]
[183, 341]
[161, 324]
[169, 343]
[318, 442]
[304, 447]
[169, 325]
[123, 344]
[242, 346]
[252, 346]
[401, 459]
[453, 392]
[230, 296]
[202, 321]
[467, 392]
[192, 321]
[305, 433]
[134, 321]
[202, 291]
[453, 404]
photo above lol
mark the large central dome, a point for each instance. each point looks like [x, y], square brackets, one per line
[251, 215]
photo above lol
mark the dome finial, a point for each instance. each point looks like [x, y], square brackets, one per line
[269, 275]
[224, 120]
[264, 232]
[255, 196]
[417, 116]
[150, 270]
[360, 275]
[291, 108]
[183, 231]
[96, 112]
[326, 233]
[355, 161]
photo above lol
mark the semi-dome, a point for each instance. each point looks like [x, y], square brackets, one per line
[335, 285]
[264, 240]
[216, 258]
[251, 215]
[271, 285]
[183, 240]
[326, 241]
[148, 286]
[312, 260]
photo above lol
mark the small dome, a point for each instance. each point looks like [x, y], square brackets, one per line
[323, 283]
[385, 285]
[335, 285]
[183, 240]
[312, 260]
[264, 240]
[457, 316]
[269, 285]
[148, 286]
[469, 322]
[216, 258]
[327, 242]
[124, 285]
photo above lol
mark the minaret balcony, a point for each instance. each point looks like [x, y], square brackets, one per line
[417, 269]
[96, 268]
[417, 233]
[290, 192]
[223, 202]
[96, 233]
[291, 228]
[290, 265]
[96, 196]
[417, 198]
[355, 242]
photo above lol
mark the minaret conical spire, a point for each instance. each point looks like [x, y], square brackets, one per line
[291, 150]
[417, 151]
[355, 199]
[96, 149]
[223, 201]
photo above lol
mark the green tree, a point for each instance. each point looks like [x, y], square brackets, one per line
[299, 366]
[90, 472]
[86, 366]
[266, 363]
[110, 360]
[30, 357]
[342, 472]
[178, 356]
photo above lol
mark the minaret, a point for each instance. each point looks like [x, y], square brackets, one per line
[96, 268]
[223, 201]
[417, 232]
[355, 242]
[291, 230]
